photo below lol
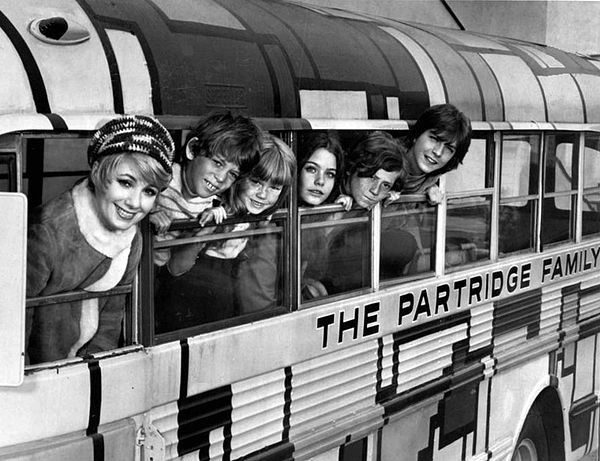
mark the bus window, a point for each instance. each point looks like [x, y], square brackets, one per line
[468, 221]
[560, 187]
[335, 245]
[217, 289]
[335, 252]
[53, 164]
[8, 164]
[407, 239]
[591, 185]
[519, 198]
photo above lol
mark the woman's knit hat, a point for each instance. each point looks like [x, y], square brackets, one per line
[139, 134]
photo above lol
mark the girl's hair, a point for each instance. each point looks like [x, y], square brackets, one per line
[237, 139]
[149, 170]
[379, 150]
[276, 165]
[450, 124]
[323, 140]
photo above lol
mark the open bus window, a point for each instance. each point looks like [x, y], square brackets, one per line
[468, 218]
[216, 288]
[560, 187]
[519, 196]
[52, 164]
[591, 185]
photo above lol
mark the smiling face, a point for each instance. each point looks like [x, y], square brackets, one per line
[258, 196]
[317, 177]
[368, 192]
[429, 153]
[206, 176]
[125, 199]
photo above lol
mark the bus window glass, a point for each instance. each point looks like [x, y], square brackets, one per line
[53, 165]
[216, 287]
[8, 164]
[407, 240]
[518, 192]
[468, 230]
[335, 253]
[468, 219]
[63, 164]
[472, 173]
[591, 185]
[8, 172]
[558, 209]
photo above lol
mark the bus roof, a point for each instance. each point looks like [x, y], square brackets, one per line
[273, 60]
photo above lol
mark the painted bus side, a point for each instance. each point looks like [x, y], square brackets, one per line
[340, 377]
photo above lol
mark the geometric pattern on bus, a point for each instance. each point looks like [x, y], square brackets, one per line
[518, 313]
[274, 50]
[581, 303]
[238, 420]
[402, 381]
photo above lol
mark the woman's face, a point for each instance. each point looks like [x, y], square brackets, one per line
[429, 153]
[126, 199]
[317, 177]
[258, 196]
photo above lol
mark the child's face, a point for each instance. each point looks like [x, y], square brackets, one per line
[429, 153]
[258, 196]
[126, 199]
[207, 176]
[317, 177]
[368, 192]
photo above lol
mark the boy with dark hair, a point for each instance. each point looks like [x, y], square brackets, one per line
[218, 151]
[437, 143]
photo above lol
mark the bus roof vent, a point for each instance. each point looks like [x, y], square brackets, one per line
[58, 31]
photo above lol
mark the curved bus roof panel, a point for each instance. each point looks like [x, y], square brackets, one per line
[271, 59]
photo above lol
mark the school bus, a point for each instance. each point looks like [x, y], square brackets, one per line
[484, 347]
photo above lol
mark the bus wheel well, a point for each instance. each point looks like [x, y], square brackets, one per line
[545, 416]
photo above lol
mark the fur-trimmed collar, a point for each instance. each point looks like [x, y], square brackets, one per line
[103, 240]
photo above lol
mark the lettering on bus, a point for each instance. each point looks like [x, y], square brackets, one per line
[416, 305]
[569, 264]
[363, 322]
[463, 292]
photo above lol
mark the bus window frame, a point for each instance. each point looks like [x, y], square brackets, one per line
[490, 191]
[130, 291]
[535, 198]
[582, 190]
[575, 193]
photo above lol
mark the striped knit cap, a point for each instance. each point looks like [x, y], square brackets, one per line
[135, 134]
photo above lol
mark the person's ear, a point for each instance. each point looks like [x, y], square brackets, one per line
[190, 147]
[94, 172]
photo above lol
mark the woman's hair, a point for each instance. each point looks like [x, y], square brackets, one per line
[323, 140]
[276, 165]
[148, 168]
[237, 139]
[376, 151]
[450, 124]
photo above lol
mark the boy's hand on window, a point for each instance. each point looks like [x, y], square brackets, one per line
[434, 195]
[161, 221]
[216, 214]
[345, 201]
[391, 198]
